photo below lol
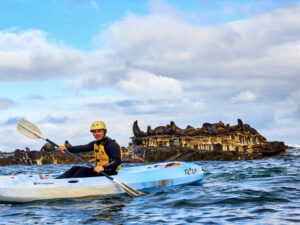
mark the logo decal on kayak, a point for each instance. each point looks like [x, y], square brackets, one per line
[36, 183]
[191, 171]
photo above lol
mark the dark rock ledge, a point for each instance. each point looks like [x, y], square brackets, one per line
[49, 155]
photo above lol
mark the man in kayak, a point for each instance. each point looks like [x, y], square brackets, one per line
[108, 154]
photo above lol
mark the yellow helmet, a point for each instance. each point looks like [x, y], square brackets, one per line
[98, 125]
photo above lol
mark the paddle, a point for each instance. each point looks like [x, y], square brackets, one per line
[30, 130]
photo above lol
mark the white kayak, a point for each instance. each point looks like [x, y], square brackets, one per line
[24, 188]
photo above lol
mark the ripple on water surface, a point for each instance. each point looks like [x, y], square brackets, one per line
[245, 192]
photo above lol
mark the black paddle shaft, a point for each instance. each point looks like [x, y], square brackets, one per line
[51, 142]
[71, 154]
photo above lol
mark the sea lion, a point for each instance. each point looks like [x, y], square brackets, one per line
[219, 124]
[159, 130]
[149, 131]
[176, 130]
[136, 130]
[223, 130]
[196, 131]
[188, 129]
[48, 147]
[173, 127]
[250, 129]
[233, 128]
[210, 128]
[236, 127]
[170, 129]
[180, 131]
[220, 127]
[253, 131]
[240, 123]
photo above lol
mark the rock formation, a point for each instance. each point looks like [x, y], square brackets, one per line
[22, 157]
[212, 141]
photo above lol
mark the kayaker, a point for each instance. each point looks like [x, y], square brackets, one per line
[108, 154]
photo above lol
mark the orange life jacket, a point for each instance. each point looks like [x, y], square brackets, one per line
[101, 158]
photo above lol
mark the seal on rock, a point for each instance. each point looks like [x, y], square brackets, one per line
[210, 128]
[240, 123]
[170, 129]
[48, 147]
[137, 131]
[149, 131]
[159, 130]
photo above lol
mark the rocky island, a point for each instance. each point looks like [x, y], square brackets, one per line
[213, 141]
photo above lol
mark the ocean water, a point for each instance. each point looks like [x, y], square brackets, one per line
[240, 192]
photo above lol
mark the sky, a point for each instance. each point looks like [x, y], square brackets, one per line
[67, 63]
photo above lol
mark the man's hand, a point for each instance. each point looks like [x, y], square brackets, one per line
[62, 148]
[99, 169]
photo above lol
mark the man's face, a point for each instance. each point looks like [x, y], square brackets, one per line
[98, 134]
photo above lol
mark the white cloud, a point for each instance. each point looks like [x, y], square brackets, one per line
[250, 48]
[28, 56]
[244, 96]
[167, 67]
[145, 84]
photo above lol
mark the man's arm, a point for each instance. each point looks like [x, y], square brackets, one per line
[82, 148]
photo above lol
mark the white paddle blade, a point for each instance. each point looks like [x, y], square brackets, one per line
[129, 190]
[28, 129]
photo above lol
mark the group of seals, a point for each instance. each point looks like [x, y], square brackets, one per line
[206, 129]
